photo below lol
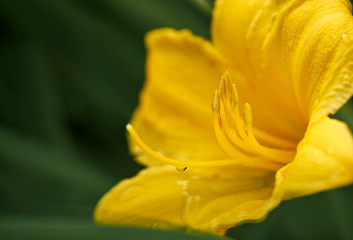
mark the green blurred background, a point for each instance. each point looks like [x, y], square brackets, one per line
[71, 71]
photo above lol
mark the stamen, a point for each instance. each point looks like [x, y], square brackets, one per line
[222, 124]
[232, 111]
[224, 139]
[221, 85]
[252, 162]
[223, 88]
[221, 130]
[226, 76]
[234, 97]
[235, 133]
[282, 156]
[216, 100]
[247, 116]
[275, 140]
[278, 155]
[229, 129]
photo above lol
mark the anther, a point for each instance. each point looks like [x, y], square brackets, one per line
[247, 116]
[234, 97]
[221, 86]
[216, 102]
[226, 76]
[224, 86]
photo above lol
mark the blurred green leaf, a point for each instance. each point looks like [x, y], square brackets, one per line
[346, 114]
[60, 228]
[143, 16]
[327, 215]
[204, 6]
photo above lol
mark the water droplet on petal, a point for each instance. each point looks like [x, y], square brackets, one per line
[181, 169]
[131, 193]
[192, 203]
[161, 225]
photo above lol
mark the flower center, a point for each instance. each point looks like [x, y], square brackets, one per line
[234, 133]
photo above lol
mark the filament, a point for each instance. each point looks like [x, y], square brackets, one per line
[283, 156]
[229, 142]
[233, 130]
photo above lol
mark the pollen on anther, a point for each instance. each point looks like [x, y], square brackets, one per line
[247, 115]
[234, 96]
[226, 76]
[224, 85]
[221, 85]
[216, 101]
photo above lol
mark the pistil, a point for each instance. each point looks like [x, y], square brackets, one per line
[182, 165]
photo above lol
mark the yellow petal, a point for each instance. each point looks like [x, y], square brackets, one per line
[320, 49]
[324, 160]
[296, 57]
[175, 115]
[211, 201]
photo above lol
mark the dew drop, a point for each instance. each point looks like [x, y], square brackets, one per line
[131, 193]
[191, 203]
[344, 36]
[181, 169]
[161, 225]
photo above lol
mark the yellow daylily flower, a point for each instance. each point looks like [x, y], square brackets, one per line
[273, 72]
